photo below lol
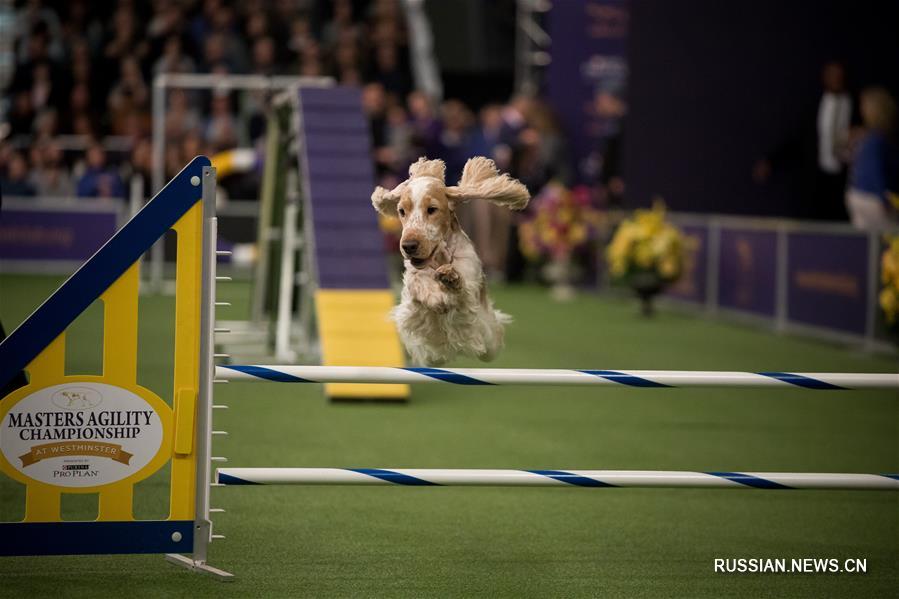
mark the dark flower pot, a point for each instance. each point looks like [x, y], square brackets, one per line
[646, 285]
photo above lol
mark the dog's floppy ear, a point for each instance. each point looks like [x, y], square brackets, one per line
[481, 180]
[385, 201]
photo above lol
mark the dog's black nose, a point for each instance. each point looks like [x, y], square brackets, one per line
[410, 247]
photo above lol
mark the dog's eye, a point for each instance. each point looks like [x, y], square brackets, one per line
[432, 209]
[402, 212]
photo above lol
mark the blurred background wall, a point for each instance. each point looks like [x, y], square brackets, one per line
[716, 86]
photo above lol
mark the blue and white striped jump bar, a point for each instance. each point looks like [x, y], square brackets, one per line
[532, 376]
[555, 478]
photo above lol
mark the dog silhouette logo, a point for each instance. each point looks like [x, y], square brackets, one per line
[77, 398]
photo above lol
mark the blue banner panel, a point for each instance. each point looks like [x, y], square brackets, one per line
[747, 271]
[828, 280]
[95, 538]
[54, 234]
[587, 78]
[692, 284]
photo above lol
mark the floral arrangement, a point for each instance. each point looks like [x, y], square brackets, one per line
[889, 277]
[561, 222]
[646, 244]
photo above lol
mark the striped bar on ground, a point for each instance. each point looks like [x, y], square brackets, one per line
[556, 478]
[521, 376]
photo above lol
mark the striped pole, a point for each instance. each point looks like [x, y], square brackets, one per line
[556, 478]
[532, 376]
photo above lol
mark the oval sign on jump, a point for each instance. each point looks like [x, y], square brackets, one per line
[80, 434]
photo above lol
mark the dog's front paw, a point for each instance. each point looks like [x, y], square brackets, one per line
[449, 277]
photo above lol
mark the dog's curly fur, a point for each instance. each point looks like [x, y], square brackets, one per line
[444, 309]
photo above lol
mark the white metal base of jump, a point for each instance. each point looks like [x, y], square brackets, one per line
[556, 478]
[201, 567]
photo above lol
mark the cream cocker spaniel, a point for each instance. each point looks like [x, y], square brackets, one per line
[444, 309]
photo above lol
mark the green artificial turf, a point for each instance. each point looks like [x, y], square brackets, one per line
[567, 542]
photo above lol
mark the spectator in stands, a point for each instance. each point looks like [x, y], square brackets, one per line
[221, 128]
[311, 60]
[488, 140]
[342, 21]
[173, 59]
[257, 26]
[540, 154]
[425, 125]
[874, 175]
[125, 37]
[99, 180]
[490, 224]
[300, 35]
[180, 117]
[129, 95]
[21, 114]
[346, 61]
[388, 71]
[399, 140]
[142, 160]
[49, 176]
[453, 145]
[264, 56]
[45, 124]
[374, 103]
[15, 181]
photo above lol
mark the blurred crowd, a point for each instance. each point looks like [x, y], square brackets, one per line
[83, 73]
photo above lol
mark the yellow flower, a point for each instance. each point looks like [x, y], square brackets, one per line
[646, 242]
[577, 234]
[889, 303]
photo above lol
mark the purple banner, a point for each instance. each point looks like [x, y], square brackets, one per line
[586, 80]
[692, 284]
[747, 271]
[827, 280]
[54, 234]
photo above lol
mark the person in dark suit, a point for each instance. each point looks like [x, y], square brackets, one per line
[815, 158]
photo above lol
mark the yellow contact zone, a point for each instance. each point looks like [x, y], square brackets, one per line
[355, 330]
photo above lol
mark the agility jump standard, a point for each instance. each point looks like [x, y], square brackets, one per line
[535, 376]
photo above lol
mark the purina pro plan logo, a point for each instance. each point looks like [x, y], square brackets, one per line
[80, 434]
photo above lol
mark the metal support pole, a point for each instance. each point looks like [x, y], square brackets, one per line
[287, 282]
[202, 524]
[157, 252]
[781, 280]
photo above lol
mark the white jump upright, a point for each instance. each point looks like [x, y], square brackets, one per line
[646, 379]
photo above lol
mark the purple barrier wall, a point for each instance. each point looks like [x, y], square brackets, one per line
[53, 234]
[692, 284]
[827, 280]
[589, 44]
[747, 271]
